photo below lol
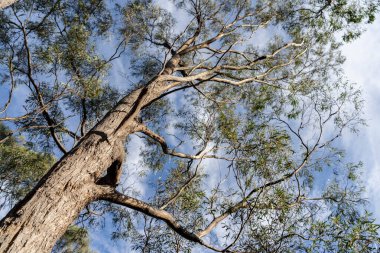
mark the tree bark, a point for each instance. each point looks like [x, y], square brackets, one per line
[39, 220]
[6, 3]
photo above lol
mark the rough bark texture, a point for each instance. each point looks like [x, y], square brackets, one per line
[5, 3]
[37, 222]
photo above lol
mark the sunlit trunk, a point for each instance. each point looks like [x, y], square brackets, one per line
[38, 221]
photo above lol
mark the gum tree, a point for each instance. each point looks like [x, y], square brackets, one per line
[239, 129]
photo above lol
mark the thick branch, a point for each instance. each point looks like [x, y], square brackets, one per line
[111, 195]
[84, 117]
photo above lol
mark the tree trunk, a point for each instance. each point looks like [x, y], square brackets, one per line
[38, 221]
[6, 3]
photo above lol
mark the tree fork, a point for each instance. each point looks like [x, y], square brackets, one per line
[70, 185]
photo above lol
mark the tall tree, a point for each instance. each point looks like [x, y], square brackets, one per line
[255, 122]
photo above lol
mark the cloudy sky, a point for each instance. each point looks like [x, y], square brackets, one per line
[362, 68]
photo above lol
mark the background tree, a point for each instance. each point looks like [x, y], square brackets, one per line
[21, 168]
[238, 131]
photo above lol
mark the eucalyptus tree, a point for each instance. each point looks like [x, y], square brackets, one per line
[239, 105]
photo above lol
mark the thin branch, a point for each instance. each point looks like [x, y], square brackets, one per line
[10, 65]
[52, 9]
[165, 148]
[182, 188]
[243, 203]
[39, 97]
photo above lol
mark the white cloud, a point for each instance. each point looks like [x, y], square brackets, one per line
[101, 244]
[181, 17]
[362, 67]
[132, 171]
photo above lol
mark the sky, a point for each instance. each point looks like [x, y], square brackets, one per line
[361, 67]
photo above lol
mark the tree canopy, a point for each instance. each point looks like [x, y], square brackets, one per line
[238, 148]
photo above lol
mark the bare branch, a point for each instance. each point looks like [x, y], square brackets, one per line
[111, 195]
[84, 117]
[200, 155]
[10, 66]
